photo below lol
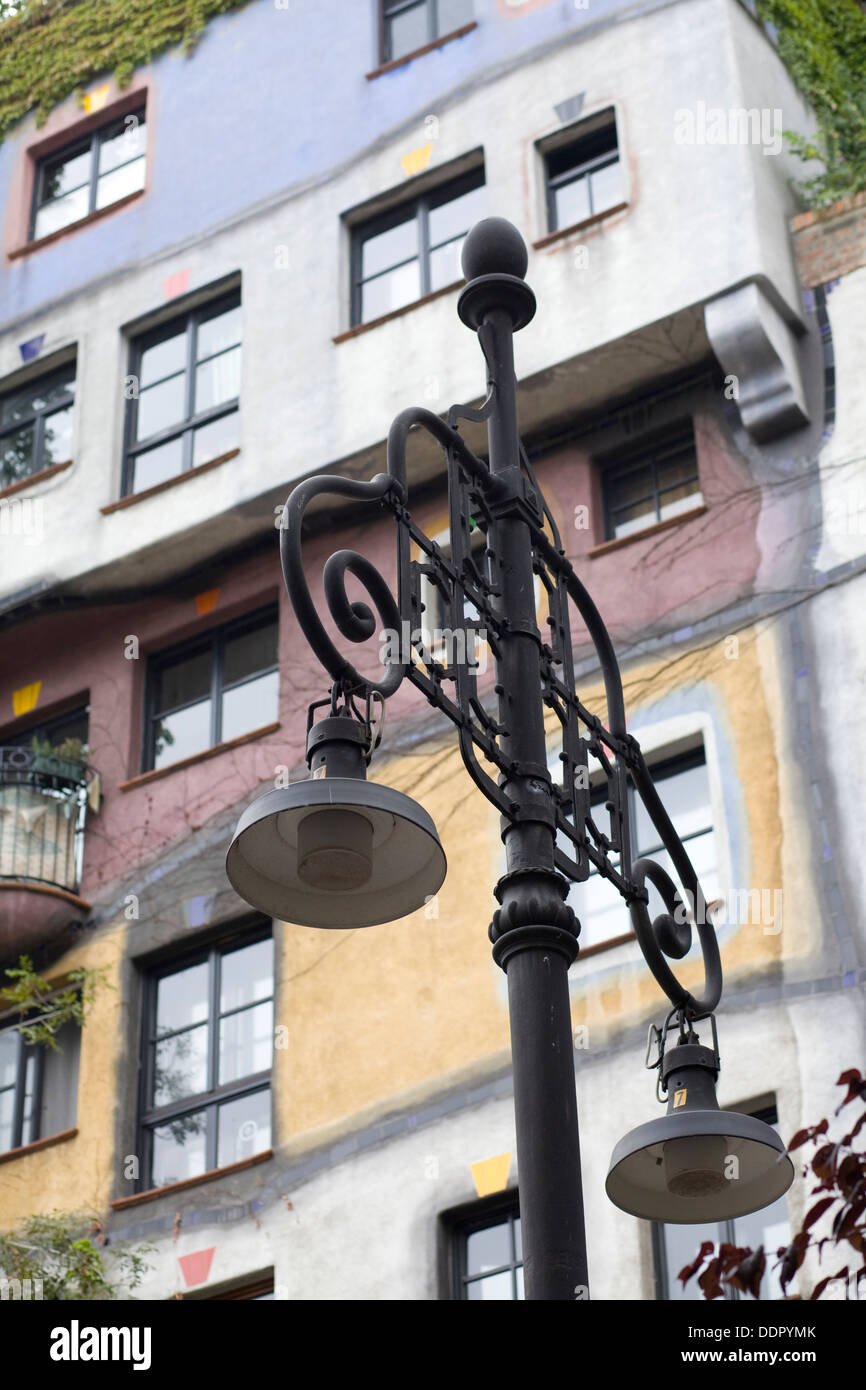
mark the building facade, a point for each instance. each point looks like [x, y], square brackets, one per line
[232, 273]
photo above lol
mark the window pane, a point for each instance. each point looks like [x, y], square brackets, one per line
[389, 248]
[571, 203]
[250, 652]
[179, 1149]
[16, 455]
[64, 175]
[250, 706]
[682, 1244]
[601, 911]
[161, 406]
[518, 1239]
[454, 218]
[406, 32]
[445, 267]
[702, 853]
[8, 1057]
[218, 333]
[607, 188]
[635, 518]
[7, 1117]
[630, 487]
[182, 998]
[520, 1293]
[213, 440]
[122, 143]
[57, 437]
[129, 178]
[154, 466]
[180, 1066]
[497, 1288]
[686, 798]
[681, 499]
[182, 735]
[218, 380]
[184, 680]
[60, 213]
[36, 395]
[488, 1249]
[247, 975]
[391, 291]
[770, 1228]
[453, 14]
[677, 470]
[163, 359]
[244, 1128]
[246, 1042]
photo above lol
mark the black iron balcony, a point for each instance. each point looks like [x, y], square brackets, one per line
[43, 807]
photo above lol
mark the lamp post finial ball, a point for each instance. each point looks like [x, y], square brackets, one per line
[494, 246]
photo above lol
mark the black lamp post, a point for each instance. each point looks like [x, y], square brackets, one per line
[336, 851]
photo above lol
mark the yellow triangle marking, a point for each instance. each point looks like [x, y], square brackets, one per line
[416, 160]
[24, 700]
[491, 1174]
[94, 101]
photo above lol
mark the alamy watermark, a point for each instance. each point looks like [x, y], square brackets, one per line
[734, 126]
[460, 647]
[741, 907]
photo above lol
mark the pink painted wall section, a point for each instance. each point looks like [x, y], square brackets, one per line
[680, 574]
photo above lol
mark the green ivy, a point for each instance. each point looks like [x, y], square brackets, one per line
[823, 45]
[65, 1251]
[28, 993]
[52, 49]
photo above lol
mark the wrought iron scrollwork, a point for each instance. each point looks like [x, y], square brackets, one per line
[477, 498]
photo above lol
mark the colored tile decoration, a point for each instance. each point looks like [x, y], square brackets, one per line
[491, 1174]
[31, 348]
[176, 284]
[24, 700]
[95, 100]
[206, 601]
[416, 160]
[195, 1268]
[569, 110]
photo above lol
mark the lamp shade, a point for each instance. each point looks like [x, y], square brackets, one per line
[697, 1163]
[335, 852]
[678, 1168]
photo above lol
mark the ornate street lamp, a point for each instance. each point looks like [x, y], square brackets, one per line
[337, 851]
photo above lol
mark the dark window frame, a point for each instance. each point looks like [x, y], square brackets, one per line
[213, 639]
[37, 417]
[388, 9]
[417, 208]
[649, 452]
[191, 320]
[455, 1227]
[663, 1277]
[151, 1117]
[595, 128]
[45, 727]
[64, 153]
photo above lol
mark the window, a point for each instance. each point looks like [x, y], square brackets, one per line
[482, 1251]
[208, 1049]
[411, 24]
[186, 378]
[412, 250]
[61, 729]
[655, 481]
[683, 786]
[38, 1086]
[213, 689]
[36, 425]
[444, 645]
[92, 173]
[584, 176]
[677, 1246]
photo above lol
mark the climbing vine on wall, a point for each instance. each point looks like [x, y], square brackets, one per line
[53, 49]
[823, 45]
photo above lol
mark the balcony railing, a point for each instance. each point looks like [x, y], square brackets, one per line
[43, 805]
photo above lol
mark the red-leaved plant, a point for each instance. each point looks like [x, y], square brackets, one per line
[841, 1173]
